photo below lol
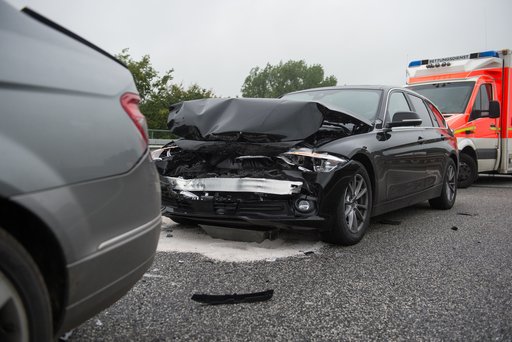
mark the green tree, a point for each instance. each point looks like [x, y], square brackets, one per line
[156, 91]
[276, 80]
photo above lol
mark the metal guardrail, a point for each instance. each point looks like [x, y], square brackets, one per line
[159, 137]
[160, 134]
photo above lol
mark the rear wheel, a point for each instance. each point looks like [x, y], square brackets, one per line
[468, 172]
[353, 210]
[449, 192]
[25, 313]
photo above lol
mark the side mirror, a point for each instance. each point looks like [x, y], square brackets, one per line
[404, 119]
[494, 109]
[494, 112]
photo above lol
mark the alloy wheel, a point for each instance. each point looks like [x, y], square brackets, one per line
[451, 183]
[356, 203]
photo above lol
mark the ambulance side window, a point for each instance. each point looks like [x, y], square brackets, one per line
[482, 101]
[397, 103]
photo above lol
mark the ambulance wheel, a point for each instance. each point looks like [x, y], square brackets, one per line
[353, 211]
[467, 171]
[449, 192]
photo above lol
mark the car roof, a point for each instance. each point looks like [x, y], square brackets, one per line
[371, 87]
[385, 88]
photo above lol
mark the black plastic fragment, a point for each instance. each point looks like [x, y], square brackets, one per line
[390, 222]
[233, 298]
[309, 253]
[454, 228]
[466, 214]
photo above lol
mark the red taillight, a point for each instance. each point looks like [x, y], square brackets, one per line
[130, 103]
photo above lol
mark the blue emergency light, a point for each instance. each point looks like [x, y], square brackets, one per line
[432, 62]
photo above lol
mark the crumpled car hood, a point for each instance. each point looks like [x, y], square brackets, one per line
[253, 120]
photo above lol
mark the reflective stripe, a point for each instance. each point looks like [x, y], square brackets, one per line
[465, 129]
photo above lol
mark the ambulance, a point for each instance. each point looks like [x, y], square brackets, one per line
[473, 92]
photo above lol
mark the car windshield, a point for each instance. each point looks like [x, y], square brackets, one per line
[363, 102]
[449, 97]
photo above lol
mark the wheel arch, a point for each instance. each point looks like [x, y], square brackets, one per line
[466, 146]
[40, 242]
[365, 160]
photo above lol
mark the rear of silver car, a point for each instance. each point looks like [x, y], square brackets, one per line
[78, 189]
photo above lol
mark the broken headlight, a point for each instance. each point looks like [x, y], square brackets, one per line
[310, 161]
[162, 152]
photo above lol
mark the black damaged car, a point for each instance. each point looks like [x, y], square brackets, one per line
[326, 158]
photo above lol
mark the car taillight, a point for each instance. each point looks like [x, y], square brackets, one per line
[130, 103]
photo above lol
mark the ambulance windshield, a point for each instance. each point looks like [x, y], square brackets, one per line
[449, 97]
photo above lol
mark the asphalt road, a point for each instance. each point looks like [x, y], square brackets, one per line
[438, 275]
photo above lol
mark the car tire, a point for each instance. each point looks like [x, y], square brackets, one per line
[184, 221]
[449, 192]
[353, 210]
[468, 172]
[25, 313]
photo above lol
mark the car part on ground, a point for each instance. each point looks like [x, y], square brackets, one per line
[240, 164]
[95, 199]
[233, 298]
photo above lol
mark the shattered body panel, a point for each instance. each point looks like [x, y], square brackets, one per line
[282, 162]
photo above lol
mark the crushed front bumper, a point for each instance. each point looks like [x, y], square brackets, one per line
[256, 201]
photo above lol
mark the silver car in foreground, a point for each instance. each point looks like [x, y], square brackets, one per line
[79, 193]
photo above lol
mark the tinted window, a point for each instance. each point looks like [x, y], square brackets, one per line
[450, 97]
[483, 97]
[421, 110]
[437, 115]
[397, 103]
[363, 102]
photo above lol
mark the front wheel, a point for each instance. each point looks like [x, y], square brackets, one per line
[353, 211]
[468, 172]
[449, 192]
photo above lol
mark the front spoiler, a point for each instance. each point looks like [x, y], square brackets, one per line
[284, 222]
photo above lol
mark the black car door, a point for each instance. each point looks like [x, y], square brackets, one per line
[434, 145]
[404, 160]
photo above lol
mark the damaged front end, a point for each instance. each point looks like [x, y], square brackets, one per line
[253, 162]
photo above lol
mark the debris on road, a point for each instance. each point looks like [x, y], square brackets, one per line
[66, 336]
[466, 214]
[241, 234]
[309, 253]
[150, 275]
[233, 298]
[454, 228]
[390, 222]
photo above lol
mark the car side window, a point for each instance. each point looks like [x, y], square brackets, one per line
[421, 110]
[437, 115]
[397, 103]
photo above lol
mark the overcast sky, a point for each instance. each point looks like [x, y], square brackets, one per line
[215, 43]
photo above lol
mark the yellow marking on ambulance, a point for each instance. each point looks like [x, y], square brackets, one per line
[465, 129]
